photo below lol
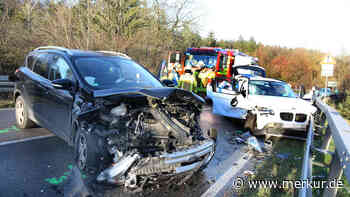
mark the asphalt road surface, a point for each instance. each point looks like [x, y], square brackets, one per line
[35, 163]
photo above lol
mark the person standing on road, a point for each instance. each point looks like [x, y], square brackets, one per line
[187, 81]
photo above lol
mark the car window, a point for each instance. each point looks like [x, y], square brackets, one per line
[114, 72]
[41, 65]
[59, 69]
[208, 60]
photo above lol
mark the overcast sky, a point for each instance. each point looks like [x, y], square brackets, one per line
[314, 24]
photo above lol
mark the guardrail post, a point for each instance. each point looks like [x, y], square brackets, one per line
[327, 139]
[335, 173]
[5, 85]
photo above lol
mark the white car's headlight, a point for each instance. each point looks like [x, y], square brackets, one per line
[265, 110]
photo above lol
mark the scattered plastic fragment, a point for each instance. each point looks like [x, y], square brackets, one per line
[239, 140]
[248, 173]
[245, 135]
[253, 142]
[260, 157]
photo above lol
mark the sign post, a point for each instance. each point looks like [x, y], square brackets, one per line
[327, 69]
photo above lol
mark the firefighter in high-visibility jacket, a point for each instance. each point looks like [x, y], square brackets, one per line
[187, 81]
[206, 75]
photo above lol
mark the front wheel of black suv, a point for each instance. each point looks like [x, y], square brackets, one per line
[86, 155]
[22, 119]
[89, 153]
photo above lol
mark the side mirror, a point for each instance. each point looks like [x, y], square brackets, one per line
[13, 78]
[64, 84]
[168, 83]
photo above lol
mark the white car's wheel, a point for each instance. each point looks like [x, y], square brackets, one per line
[250, 124]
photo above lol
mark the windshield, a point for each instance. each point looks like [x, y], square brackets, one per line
[251, 72]
[208, 60]
[114, 72]
[270, 88]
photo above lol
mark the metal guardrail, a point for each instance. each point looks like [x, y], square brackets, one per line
[5, 84]
[338, 130]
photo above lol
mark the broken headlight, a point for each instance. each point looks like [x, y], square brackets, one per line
[265, 110]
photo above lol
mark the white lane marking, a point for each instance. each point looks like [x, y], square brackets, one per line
[26, 139]
[6, 109]
[229, 174]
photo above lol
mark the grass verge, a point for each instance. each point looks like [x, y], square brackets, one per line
[283, 164]
[6, 104]
[6, 100]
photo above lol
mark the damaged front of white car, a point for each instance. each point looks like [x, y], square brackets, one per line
[266, 105]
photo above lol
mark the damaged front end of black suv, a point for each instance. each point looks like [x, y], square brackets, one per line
[143, 136]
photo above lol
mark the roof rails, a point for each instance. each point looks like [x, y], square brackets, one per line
[115, 53]
[54, 47]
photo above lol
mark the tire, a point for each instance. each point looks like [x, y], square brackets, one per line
[250, 124]
[208, 101]
[93, 164]
[22, 119]
[86, 153]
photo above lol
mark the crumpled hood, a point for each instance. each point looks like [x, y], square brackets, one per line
[165, 94]
[282, 103]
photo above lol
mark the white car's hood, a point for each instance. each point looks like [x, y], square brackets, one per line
[282, 103]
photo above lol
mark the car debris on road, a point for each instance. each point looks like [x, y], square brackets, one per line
[253, 142]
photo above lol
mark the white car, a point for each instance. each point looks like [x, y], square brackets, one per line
[264, 103]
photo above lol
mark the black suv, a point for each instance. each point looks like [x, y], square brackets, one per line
[125, 126]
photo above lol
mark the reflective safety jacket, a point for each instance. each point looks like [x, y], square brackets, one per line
[187, 82]
[206, 76]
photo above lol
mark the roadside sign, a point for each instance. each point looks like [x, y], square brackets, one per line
[327, 70]
[328, 60]
[332, 84]
[327, 66]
